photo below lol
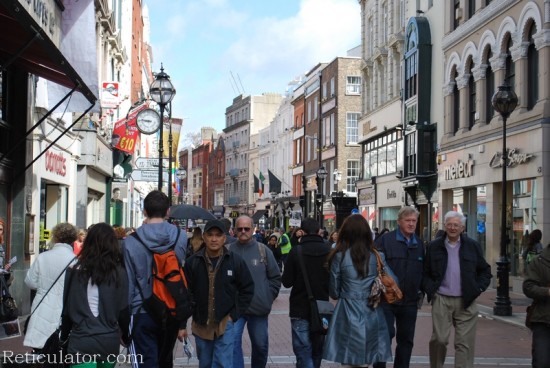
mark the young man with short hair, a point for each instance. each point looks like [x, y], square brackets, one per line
[152, 343]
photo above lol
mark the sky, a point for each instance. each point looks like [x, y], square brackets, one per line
[215, 50]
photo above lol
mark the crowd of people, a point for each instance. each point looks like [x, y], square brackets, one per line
[92, 284]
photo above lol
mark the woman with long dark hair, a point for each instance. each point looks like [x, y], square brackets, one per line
[96, 315]
[358, 334]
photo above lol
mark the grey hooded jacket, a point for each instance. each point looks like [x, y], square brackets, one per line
[139, 261]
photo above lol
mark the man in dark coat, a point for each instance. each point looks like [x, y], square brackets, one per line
[307, 347]
[455, 274]
[404, 253]
[222, 288]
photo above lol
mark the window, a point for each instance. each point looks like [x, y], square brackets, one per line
[352, 175]
[510, 65]
[472, 100]
[383, 155]
[489, 90]
[332, 87]
[532, 70]
[324, 92]
[456, 18]
[411, 62]
[315, 142]
[471, 8]
[385, 24]
[352, 127]
[315, 108]
[456, 105]
[353, 86]
[410, 155]
[309, 112]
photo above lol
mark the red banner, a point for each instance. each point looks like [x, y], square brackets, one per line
[125, 131]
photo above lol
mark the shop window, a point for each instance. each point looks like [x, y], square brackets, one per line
[383, 155]
[388, 218]
[524, 221]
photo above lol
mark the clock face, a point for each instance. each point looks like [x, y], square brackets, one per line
[148, 121]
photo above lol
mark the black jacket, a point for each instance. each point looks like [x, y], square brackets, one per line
[475, 272]
[314, 252]
[233, 286]
[406, 261]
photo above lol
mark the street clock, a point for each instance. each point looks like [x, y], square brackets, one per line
[148, 121]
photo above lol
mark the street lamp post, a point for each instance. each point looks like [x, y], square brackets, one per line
[321, 176]
[162, 92]
[504, 101]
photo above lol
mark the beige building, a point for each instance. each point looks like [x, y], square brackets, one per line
[486, 44]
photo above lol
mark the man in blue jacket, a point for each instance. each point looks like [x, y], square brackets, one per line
[222, 289]
[267, 282]
[152, 343]
[404, 253]
[455, 274]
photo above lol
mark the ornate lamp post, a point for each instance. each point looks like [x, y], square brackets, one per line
[321, 176]
[504, 101]
[162, 92]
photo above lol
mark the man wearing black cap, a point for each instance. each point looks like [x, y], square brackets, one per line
[222, 288]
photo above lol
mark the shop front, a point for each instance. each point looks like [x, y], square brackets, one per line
[389, 199]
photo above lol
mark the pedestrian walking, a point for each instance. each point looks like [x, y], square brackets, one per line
[195, 242]
[404, 253]
[307, 347]
[49, 269]
[152, 342]
[267, 282]
[357, 334]
[455, 274]
[96, 316]
[537, 287]
[534, 247]
[222, 287]
[284, 244]
[276, 250]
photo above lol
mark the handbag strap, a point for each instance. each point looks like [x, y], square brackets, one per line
[51, 286]
[304, 273]
[379, 264]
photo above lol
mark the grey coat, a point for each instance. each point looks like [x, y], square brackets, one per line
[357, 334]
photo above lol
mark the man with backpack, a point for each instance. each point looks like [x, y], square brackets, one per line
[154, 335]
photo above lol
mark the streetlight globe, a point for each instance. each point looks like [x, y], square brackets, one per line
[322, 173]
[504, 100]
[162, 91]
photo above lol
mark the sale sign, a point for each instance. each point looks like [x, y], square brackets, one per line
[125, 132]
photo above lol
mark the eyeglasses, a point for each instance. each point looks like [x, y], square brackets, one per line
[243, 229]
[453, 226]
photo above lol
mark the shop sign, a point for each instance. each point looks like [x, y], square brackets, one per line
[459, 170]
[367, 196]
[391, 194]
[48, 16]
[109, 95]
[234, 214]
[514, 158]
[55, 163]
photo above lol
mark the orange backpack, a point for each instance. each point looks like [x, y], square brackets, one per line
[170, 298]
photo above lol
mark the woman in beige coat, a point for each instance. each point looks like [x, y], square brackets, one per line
[42, 274]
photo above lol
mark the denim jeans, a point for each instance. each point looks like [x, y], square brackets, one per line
[541, 342]
[152, 344]
[218, 352]
[259, 339]
[401, 320]
[307, 347]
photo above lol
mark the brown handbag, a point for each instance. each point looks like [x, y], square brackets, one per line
[390, 291]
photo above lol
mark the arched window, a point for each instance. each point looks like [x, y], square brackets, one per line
[510, 76]
[489, 89]
[456, 104]
[532, 70]
[471, 96]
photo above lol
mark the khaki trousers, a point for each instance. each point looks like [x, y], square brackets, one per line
[448, 311]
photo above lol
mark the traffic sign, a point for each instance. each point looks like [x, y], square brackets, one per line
[148, 175]
[145, 163]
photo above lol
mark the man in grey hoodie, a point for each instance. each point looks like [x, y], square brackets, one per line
[152, 343]
[267, 282]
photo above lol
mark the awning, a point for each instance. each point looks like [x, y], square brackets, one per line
[259, 214]
[19, 33]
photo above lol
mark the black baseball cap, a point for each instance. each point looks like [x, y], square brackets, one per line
[214, 224]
